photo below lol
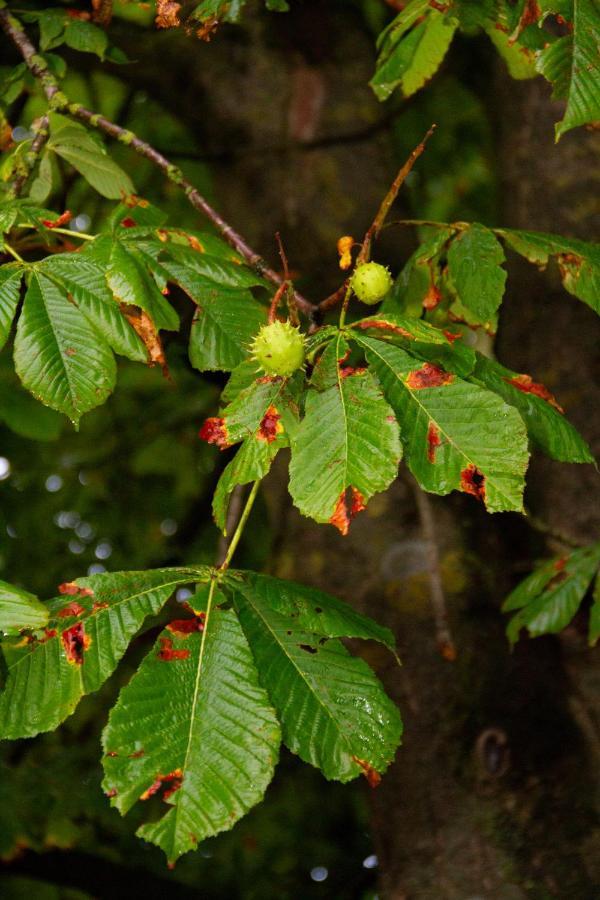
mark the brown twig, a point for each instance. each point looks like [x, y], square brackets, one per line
[389, 198]
[443, 634]
[58, 101]
[40, 128]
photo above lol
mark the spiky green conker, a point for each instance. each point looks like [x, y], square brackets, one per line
[371, 282]
[278, 348]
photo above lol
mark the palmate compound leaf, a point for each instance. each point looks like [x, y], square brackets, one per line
[60, 357]
[195, 725]
[89, 629]
[20, 609]
[457, 436]
[548, 599]
[543, 417]
[333, 710]
[347, 447]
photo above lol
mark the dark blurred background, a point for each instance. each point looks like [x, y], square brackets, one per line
[495, 792]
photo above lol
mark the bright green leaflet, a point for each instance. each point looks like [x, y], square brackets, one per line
[203, 716]
[20, 609]
[475, 260]
[475, 429]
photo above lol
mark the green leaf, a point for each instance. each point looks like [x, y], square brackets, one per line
[475, 262]
[85, 281]
[408, 60]
[41, 186]
[224, 323]
[313, 610]
[59, 356]
[86, 37]
[348, 442]
[130, 283]
[546, 425]
[520, 61]
[77, 146]
[48, 675]
[583, 93]
[251, 463]
[548, 599]
[419, 277]
[197, 726]
[400, 329]
[217, 268]
[578, 261]
[19, 610]
[457, 436]
[10, 290]
[333, 711]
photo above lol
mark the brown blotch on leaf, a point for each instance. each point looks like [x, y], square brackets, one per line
[168, 653]
[347, 371]
[472, 481]
[98, 605]
[452, 336]
[71, 609]
[373, 777]
[382, 325]
[137, 755]
[527, 385]
[214, 431]
[349, 504]
[167, 14]
[185, 627]
[428, 376]
[70, 588]
[432, 298]
[62, 220]
[530, 15]
[76, 642]
[270, 425]
[145, 329]
[128, 222]
[433, 441]
[171, 782]
[112, 753]
[307, 648]
[112, 792]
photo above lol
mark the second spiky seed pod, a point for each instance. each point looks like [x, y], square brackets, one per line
[370, 282]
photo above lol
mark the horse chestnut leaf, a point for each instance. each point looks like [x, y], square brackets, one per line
[370, 282]
[278, 348]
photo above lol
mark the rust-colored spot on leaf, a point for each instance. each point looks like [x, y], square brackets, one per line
[527, 385]
[137, 755]
[385, 326]
[347, 371]
[428, 376]
[472, 481]
[452, 336]
[70, 588]
[560, 564]
[71, 609]
[530, 15]
[76, 642]
[349, 504]
[128, 222]
[62, 220]
[168, 653]
[372, 776]
[556, 580]
[214, 431]
[432, 298]
[185, 627]
[167, 14]
[98, 605]
[433, 441]
[112, 753]
[112, 792]
[207, 30]
[49, 633]
[270, 425]
[171, 782]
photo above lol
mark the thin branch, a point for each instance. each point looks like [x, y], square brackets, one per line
[443, 634]
[389, 198]
[57, 100]
[40, 127]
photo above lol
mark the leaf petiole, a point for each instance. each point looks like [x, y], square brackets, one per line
[239, 529]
